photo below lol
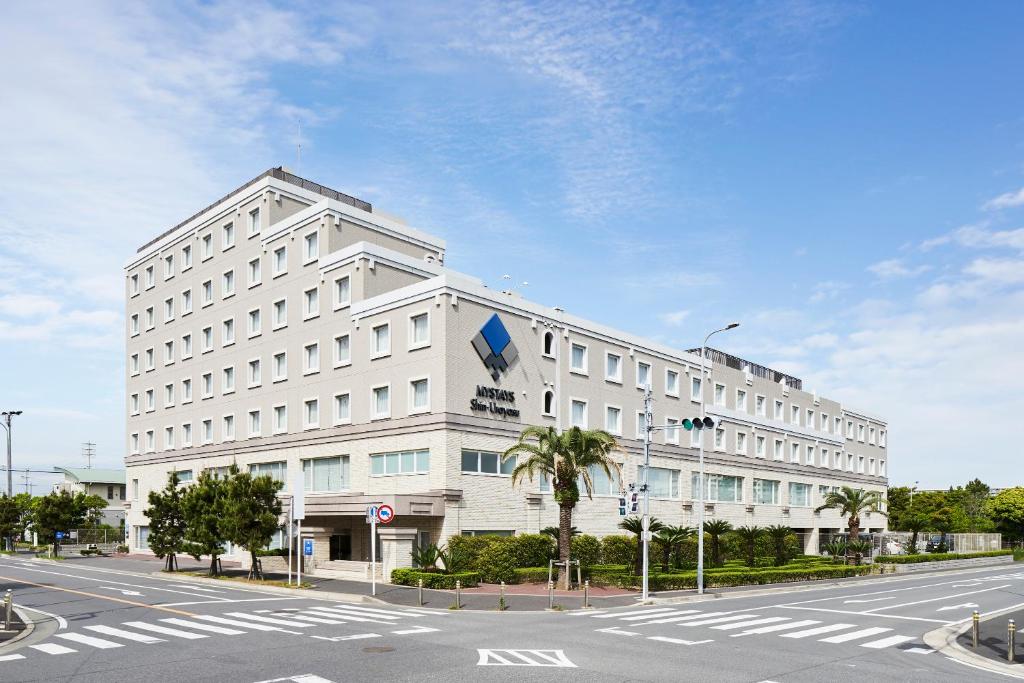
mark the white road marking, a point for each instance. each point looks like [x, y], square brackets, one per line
[11, 658]
[547, 658]
[818, 631]
[755, 622]
[676, 620]
[369, 610]
[887, 642]
[586, 613]
[244, 624]
[612, 615]
[53, 649]
[678, 641]
[122, 591]
[203, 627]
[873, 614]
[310, 619]
[195, 588]
[220, 601]
[348, 616]
[418, 629]
[847, 602]
[966, 605]
[165, 630]
[863, 633]
[130, 585]
[678, 611]
[301, 678]
[718, 620]
[776, 627]
[357, 636]
[945, 597]
[616, 631]
[127, 635]
[268, 620]
[89, 640]
[920, 650]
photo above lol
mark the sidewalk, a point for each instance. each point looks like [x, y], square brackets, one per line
[992, 642]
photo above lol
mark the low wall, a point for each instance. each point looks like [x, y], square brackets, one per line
[947, 564]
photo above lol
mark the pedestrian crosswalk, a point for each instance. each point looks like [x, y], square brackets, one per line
[320, 618]
[742, 623]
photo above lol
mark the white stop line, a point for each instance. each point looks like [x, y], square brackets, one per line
[555, 658]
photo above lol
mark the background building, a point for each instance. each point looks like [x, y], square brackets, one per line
[299, 332]
[107, 484]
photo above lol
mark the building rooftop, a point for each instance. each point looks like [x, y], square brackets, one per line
[88, 475]
[281, 174]
[737, 363]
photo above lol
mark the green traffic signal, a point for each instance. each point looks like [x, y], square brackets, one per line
[688, 424]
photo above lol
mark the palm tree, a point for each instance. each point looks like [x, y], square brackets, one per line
[565, 459]
[634, 525]
[716, 528]
[779, 533]
[671, 537]
[749, 535]
[851, 503]
[915, 523]
[836, 548]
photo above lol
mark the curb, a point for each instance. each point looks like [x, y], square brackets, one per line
[944, 641]
[25, 633]
[271, 590]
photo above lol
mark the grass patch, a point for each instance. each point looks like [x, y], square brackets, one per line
[241, 579]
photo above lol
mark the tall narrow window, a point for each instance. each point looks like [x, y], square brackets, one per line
[380, 339]
[254, 222]
[280, 260]
[342, 292]
[419, 395]
[578, 359]
[311, 247]
[549, 402]
[342, 350]
[228, 236]
[549, 344]
[255, 272]
[643, 374]
[311, 299]
[381, 397]
[419, 330]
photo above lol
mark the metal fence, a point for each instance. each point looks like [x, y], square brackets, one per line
[898, 542]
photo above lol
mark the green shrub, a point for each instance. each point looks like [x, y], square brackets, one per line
[606, 574]
[276, 552]
[618, 549]
[533, 550]
[586, 549]
[724, 579]
[411, 577]
[534, 575]
[497, 561]
[1018, 554]
[938, 557]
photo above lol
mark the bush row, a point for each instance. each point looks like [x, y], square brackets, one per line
[720, 579]
[411, 577]
[938, 557]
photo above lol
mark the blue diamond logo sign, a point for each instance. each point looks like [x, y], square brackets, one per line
[494, 346]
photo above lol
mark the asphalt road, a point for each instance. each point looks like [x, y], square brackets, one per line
[102, 624]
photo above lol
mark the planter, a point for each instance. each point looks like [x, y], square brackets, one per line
[947, 564]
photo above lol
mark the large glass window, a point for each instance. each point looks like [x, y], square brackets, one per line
[799, 494]
[603, 484]
[766, 492]
[720, 488]
[277, 470]
[663, 482]
[483, 462]
[404, 462]
[325, 474]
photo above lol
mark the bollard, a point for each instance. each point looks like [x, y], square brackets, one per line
[501, 597]
[420, 591]
[458, 595]
[586, 594]
[551, 594]
[976, 618]
[8, 605]
[1011, 631]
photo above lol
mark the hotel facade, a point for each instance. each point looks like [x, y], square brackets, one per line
[299, 332]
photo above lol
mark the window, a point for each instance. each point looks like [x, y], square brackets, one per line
[760, 405]
[228, 332]
[578, 414]
[280, 260]
[255, 426]
[325, 474]
[207, 384]
[794, 415]
[168, 267]
[849, 429]
[206, 244]
[280, 313]
[741, 400]
[168, 352]
[881, 438]
[671, 382]
[777, 453]
[759, 446]
[719, 394]
[150, 280]
[342, 350]
[799, 494]
[695, 388]
[311, 247]
[643, 374]
[663, 483]
[134, 324]
[342, 408]
[720, 439]
[549, 403]
[381, 401]
[228, 428]
[255, 272]
[150, 360]
[778, 411]
[419, 395]
[405, 462]
[133, 403]
[186, 434]
[280, 419]
[150, 441]
[809, 460]
[227, 284]
[612, 367]
[278, 471]
[142, 537]
[548, 347]
[482, 462]
[810, 418]
[186, 302]
[641, 424]
[419, 330]
[168, 395]
[227, 382]
[823, 457]
[207, 292]
[150, 318]
[310, 358]
[227, 237]
[186, 257]
[207, 339]
[311, 303]
[255, 373]
[860, 433]
[207, 431]
[766, 492]
[741, 443]
[254, 222]
[825, 424]
[134, 364]
[603, 484]
[168, 309]
[380, 340]
[672, 433]
[186, 390]
[578, 359]
[311, 413]
[342, 292]
[133, 286]
[838, 430]
[280, 366]
[695, 437]
[794, 452]
[150, 400]
[255, 323]
[613, 420]
[719, 489]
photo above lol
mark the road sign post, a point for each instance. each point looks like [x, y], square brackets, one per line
[298, 514]
[371, 514]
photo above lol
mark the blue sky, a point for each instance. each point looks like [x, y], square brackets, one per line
[845, 179]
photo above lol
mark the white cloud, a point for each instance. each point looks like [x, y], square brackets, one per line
[895, 268]
[674, 318]
[1005, 201]
[997, 271]
[827, 290]
[978, 236]
[27, 305]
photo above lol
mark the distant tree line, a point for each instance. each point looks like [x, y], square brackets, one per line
[46, 515]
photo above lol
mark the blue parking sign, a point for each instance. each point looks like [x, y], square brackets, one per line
[60, 535]
[307, 547]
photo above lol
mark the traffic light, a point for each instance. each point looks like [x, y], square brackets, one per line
[698, 423]
[622, 506]
[634, 503]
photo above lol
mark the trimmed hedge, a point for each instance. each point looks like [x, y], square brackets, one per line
[743, 578]
[534, 574]
[938, 557]
[411, 577]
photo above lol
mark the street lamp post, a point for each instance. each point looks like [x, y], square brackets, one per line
[701, 484]
[7, 416]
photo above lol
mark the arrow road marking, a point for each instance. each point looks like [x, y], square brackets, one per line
[963, 606]
[122, 591]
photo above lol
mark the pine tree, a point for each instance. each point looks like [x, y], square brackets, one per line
[167, 522]
[10, 520]
[203, 508]
[252, 513]
[61, 511]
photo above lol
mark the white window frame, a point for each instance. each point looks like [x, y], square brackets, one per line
[338, 303]
[275, 377]
[133, 325]
[585, 369]
[133, 364]
[276, 322]
[150, 318]
[306, 422]
[373, 341]
[650, 373]
[673, 427]
[207, 339]
[168, 266]
[763, 400]
[206, 437]
[227, 284]
[186, 390]
[227, 380]
[374, 415]
[336, 418]
[413, 343]
[254, 271]
[794, 414]
[169, 352]
[586, 412]
[779, 450]
[207, 385]
[250, 381]
[715, 393]
[641, 419]
[741, 407]
[669, 373]
[616, 429]
[169, 437]
[339, 362]
[257, 329]
[207, 290]
[186, 257]
[779, 411]
[227, 236]
[741, 443]
[760, 445]
[413, 410]
[207, 243]
[254, 222]
[696, 395]
[617, 377]
[168, 309]
[274, 429]
[150, 277]
[227, 427]
[311, 306]
[186, 434]
[306, 257]
[554, 344]
[133, 288]
[186, 302]
[276, 260]
[307, 367]
[254, 427]
[227, 332]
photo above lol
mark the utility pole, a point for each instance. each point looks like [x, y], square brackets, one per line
[645, 523]
[88, 452]
[24, 478]
[7, 416]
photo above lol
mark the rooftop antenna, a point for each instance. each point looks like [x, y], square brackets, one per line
[88, 452]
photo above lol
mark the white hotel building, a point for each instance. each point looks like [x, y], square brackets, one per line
[290, 328]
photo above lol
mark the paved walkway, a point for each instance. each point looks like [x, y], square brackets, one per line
[992, 638]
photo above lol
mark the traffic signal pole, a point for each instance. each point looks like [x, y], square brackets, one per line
[645, 522]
